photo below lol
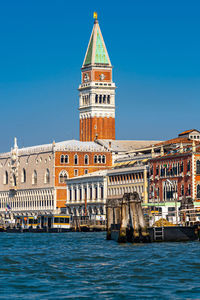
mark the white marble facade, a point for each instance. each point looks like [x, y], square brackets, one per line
[27, 181]
[89, 190]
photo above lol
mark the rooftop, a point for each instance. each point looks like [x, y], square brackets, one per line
[70, 145]
[125, 145]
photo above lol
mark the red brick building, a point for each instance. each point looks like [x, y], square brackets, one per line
[175, 171]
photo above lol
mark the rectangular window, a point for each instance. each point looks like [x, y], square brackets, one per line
[70, 194]
[102, 194]
[96, 193]
[75, 172]
[91, 193]
[86, 171]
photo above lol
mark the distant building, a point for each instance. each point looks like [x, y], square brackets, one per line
[33, 179]
[175, 177]
[87, 194]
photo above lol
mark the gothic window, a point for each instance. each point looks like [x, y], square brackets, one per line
[188, 166]
[181, 167]
[104, 99]
[108, 99]
[95, 159]
[189, 189]
[99, 159]
[6, 177]
[157, 170]
[23, 178]
[103, 159]
[198, 167]
[63, 176]
[76, 159]
[66, 159]
[86, 159]
[182, 190]
[34, 177]
[100, 99]
[62, 158]
[96, 98]
[198, 191]
[47, 176]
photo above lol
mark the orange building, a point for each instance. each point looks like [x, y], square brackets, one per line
[79, 159]
[97, 91]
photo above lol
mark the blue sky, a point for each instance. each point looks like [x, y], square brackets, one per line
[154, 47]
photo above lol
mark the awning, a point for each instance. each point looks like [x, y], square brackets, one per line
[131, 162]
[145, 160]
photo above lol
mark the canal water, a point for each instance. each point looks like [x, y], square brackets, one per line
[86, 265]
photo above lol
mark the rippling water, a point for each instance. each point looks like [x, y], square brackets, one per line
[86, 265]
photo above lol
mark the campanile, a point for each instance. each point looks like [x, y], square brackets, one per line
[97, 91]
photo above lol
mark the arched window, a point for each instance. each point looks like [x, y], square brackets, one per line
[198, 167]
[188, 166]
[62, 158]
[108, 99]
[103, 159]
[34, 177]
[14, 181]
[76, 159]
[66, 159]
[23, 178]
[104, 98]
[182, 190]
[198, 191]
[47, 176]
[95, 159]
[100, 98]
[63, 176]
[189, 189]
[5, 181]
[86, 159]
[99, 159]
[96, 98]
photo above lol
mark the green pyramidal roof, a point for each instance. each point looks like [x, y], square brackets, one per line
[88, 58]
[100, 53]
[96, 52]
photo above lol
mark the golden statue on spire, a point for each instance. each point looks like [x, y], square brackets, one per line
[95, 15]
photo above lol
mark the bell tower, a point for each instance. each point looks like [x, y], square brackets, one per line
[97, 91]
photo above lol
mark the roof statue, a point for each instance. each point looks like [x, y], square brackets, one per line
[96, 53]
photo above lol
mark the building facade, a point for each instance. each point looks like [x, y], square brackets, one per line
[86, 195]
[97, 91]
[33, 179]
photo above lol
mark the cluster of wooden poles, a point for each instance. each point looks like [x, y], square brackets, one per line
[125, 219]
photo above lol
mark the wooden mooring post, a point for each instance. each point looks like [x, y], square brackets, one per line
[125, 219]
